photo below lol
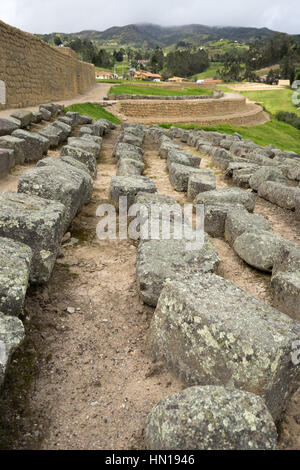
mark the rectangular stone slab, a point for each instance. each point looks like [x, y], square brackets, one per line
[46, 182]
[7, 161]
[35, 145]
[211, 332]
[15, 261]
[129, 187]
[12, 335]
[36, 222]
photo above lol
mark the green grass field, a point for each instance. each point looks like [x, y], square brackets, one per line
[271, 100]
[94, 110]
[282, 135]
[156, 91]
[211, 72]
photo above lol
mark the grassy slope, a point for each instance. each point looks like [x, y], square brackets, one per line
[94, 110]
[211, 72]
[273, 132]
[282, 135]
[140, 90]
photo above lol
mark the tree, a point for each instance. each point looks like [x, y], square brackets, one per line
[57, 41]
[231, 70]
[157, 60]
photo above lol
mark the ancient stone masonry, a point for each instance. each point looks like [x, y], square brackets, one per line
[270, 172]
[32, 72]
[34, 220]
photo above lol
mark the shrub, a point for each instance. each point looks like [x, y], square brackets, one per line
[289, 118]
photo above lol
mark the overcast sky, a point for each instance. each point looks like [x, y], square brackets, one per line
[46, 16]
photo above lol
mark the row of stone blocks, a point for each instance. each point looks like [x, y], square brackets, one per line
[234, 351]
[228, 213]
[33, 222]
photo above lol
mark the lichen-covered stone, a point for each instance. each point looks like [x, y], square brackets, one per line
[46, 115]
[130, 138]
[238, 165]
[15, 144]
[239, 220]
[65, 130]
[12, 335]
[53, 134]
[129, 187]
[266, 174]
[285, 281]
[227, 195]
[211, 332]
[158, 260]
[35, 145]
[36, 222]
[183, 158]
[259, 248]
[166, 146]
[87, 158]
[7, 161]
[129, 167]
[84, 144]
[122, 150]
[201, 182]
[222, 158]
[210, 418]
[179, 175]
[7, 126]
[75, 172]
[74, 116]
[25, 117]
[279, 194]
[15, 261]
[215, 215]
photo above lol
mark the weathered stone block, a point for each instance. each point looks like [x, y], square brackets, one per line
[129, 167]
[87, 158]
[53, 134]
[128, 151]
[25, 117]
[12, 335]
[7, 126]
[15, 261]
[239, 220]
[183, 158]
[266, 174]
[84, 144]
[36, 222]
[129, 187]
[74, 171]
[259, 248]
[179, 176]
[211, 418]
[279, 194]
[201, 182]
[211, 332]
[35, 145]
[7, 161]
[230, 195]
[15, 144]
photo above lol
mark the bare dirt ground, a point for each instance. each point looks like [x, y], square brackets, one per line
[82, 379]
[254, 86]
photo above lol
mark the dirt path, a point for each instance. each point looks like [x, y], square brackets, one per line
[95, 94]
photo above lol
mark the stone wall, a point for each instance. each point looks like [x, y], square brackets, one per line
[191, 108]
[34, 72]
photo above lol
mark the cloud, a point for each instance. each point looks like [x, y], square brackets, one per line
[46, 16]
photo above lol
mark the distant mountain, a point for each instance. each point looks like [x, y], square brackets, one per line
[150, 35]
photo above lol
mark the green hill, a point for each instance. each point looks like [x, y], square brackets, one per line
[150, 35]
